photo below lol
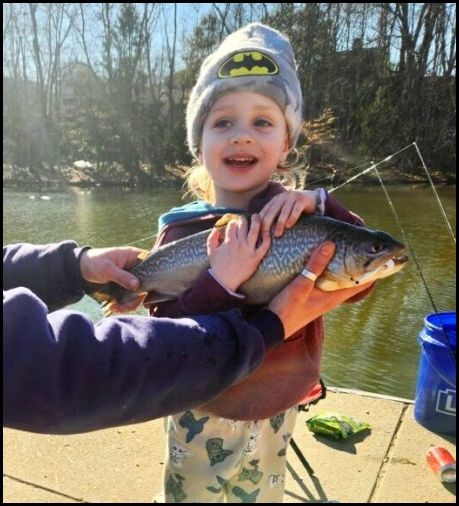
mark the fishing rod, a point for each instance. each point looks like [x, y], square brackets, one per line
[387, 159]
[448, 224]
[444, 332]
[405, 237]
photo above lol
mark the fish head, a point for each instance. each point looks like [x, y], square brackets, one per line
[362, 257]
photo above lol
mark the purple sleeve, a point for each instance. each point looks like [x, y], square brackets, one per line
[336, 210]
[51, 271]
[63, 375]
[206, 296]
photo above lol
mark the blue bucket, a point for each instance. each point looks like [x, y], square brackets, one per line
[435, 403]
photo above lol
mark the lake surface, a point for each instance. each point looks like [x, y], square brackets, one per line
[370, 345]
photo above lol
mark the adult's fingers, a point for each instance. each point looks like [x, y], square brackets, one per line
[320, 258]
[134, 256]
[293, 304]
[123, 278]
[316, 264]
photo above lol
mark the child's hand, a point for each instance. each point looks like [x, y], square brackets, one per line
[235, 257]
[288, 206]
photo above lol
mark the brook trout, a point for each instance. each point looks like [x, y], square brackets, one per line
[361, 255]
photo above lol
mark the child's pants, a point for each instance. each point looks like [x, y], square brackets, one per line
[210, 459]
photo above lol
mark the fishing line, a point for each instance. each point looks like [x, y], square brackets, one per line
[448, 224]
[405, 237]
[374, 167]
[357, 167]
[332, 176]
[140, 240]
[387, 159]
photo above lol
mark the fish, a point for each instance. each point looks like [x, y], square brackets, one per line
[362, 255]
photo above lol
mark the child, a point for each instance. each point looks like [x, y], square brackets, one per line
[243, 118]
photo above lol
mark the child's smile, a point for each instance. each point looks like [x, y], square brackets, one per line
[240, 162]
[244, 139]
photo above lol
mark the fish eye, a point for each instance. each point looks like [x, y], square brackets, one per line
[376, 247]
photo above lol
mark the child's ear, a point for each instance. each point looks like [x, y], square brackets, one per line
[285, 149]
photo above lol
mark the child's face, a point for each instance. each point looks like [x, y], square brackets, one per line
[244, 139]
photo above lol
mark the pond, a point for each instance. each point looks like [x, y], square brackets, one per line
[370, 345]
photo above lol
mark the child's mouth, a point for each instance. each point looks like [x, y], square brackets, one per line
[240, 162]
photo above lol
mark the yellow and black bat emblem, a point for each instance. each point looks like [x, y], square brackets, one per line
[251, 63]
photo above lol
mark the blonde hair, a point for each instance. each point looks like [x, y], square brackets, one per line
[199, 184]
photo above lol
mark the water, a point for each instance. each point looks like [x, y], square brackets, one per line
[370, 345]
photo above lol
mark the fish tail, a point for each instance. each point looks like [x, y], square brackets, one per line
[107, 295]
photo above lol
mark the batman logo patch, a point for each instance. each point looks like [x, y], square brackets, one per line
[251, 63]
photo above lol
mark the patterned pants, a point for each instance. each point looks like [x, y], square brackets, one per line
[211, 459]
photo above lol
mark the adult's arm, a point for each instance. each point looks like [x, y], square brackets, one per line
[51, 271]
[63, 374]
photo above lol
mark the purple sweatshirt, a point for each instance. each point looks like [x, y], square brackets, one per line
[62, 374]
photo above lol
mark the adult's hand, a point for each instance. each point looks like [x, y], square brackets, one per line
[102, 265]
[300, 302]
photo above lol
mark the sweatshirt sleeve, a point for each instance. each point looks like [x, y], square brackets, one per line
[206, 295]
[51, 271]
[62, 374]
[336, 210]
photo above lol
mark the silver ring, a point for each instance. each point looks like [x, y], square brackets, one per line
[308, 274]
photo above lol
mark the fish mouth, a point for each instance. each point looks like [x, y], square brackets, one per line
[387, 268]
[392, 263]
[400, 260]
[390, 258]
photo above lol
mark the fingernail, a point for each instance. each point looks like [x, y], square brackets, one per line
[328, 248]
[133, 283]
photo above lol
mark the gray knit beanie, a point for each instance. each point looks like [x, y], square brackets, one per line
[255, 58]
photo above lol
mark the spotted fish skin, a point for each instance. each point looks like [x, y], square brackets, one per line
[361, 255]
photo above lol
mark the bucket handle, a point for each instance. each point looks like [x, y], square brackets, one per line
[425, 345]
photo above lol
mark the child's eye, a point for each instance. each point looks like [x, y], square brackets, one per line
[262, 123]
[222, 123]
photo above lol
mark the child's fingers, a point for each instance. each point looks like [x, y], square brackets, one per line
[264, 245]
[254, 230]
[270, 214]
[294, 215]
[231, 231]
[283, 216]
[213, 241]
[242, 227]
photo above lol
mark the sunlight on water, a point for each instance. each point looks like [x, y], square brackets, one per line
[370, 345]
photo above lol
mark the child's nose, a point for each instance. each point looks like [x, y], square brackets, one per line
[241, 136]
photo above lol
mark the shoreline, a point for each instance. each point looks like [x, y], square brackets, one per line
[314, 179]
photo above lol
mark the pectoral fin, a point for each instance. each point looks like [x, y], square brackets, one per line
[154, 298]
[225, 219]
